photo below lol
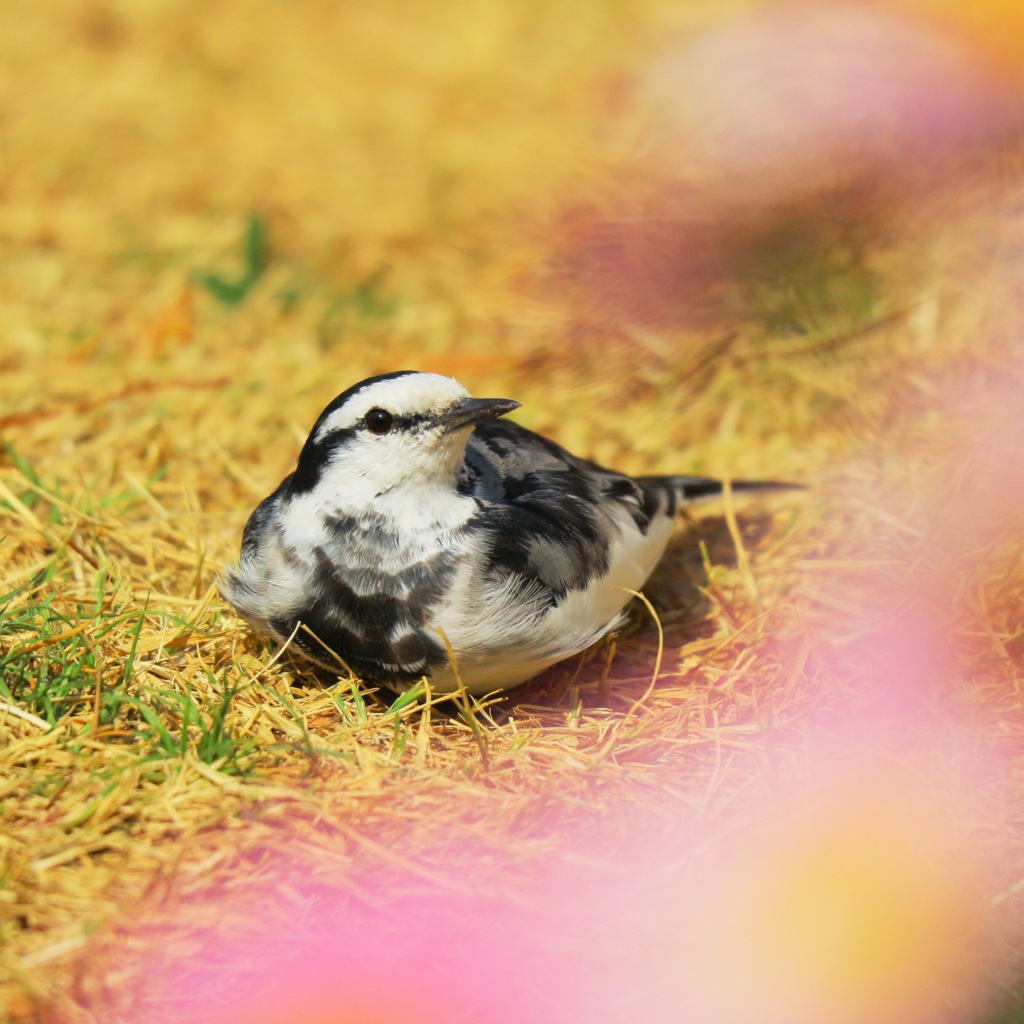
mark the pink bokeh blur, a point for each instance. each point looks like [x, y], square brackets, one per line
[820, 124]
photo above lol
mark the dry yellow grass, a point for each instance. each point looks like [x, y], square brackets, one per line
[422, 178]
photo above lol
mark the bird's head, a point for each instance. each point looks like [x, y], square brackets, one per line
[399, 429]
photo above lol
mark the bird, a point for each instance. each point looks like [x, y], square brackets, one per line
[422, 536]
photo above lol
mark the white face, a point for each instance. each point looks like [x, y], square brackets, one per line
[387, 435]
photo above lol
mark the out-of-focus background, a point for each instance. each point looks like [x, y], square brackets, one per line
[743, 239]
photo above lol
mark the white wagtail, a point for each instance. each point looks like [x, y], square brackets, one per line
[416, 522]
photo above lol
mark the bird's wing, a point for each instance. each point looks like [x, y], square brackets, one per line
[550, 517]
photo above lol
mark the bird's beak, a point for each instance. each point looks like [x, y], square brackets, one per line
[475, 410]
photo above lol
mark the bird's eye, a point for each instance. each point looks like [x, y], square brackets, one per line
[379, 421]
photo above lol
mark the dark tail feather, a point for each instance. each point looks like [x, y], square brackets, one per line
[693, 488]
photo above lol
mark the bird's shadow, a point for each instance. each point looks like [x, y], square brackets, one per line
[676, 585]
[677, 591]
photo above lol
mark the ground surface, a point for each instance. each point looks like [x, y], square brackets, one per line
[213, 218]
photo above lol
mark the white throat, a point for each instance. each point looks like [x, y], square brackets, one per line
[421, 505]
[425, 515]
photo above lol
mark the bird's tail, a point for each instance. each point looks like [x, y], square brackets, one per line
[694, 488]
